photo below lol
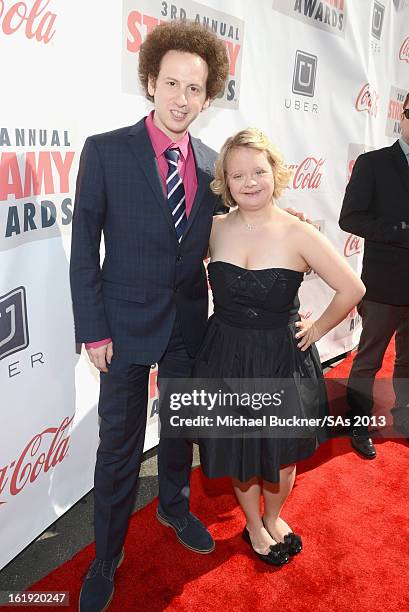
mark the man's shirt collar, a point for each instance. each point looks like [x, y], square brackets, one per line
[161, 142]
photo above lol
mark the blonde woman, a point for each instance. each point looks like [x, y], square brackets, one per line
[259, 254]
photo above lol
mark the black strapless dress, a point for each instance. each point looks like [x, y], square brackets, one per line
[251, 335]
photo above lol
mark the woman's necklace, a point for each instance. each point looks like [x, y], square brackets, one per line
[251, 226]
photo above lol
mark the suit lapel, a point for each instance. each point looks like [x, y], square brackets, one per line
[400, 163]
[203, 171]
[141, 146]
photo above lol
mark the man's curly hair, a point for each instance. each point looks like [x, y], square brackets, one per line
[188, 37]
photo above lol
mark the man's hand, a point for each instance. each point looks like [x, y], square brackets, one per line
[300, 215]
[101, 356]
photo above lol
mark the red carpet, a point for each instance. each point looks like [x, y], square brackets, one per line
[353, 516]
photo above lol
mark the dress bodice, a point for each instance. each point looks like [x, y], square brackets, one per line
[258, 299]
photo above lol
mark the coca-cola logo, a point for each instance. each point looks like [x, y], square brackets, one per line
[367, 100]
[36, 21]
[404, 51]
[307, 174]
[41, 454]
[353, 245]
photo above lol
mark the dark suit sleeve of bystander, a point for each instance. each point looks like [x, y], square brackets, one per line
[358, 208]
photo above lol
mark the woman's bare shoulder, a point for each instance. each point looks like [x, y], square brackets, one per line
[302, 229]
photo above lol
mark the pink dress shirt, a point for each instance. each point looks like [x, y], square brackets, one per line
[187, 170]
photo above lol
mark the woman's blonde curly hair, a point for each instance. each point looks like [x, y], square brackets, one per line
[252, 138]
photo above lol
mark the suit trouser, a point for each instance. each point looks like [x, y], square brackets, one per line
[122, 410]
[379, 323]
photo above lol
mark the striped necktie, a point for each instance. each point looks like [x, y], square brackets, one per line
[176, 192]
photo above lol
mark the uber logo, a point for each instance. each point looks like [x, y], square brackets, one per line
[13, 322]
[377, 19]
[305, 69]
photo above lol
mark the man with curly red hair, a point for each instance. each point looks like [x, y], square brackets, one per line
[146, 187]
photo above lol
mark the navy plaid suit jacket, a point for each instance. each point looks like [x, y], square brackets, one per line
[147, 277]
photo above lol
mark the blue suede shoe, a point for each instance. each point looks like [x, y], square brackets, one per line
[189, 531]
[98, 588]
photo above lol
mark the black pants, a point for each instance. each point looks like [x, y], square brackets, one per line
[379, 323]
[122, 410]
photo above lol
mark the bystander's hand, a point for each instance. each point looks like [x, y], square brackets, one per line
[300, 215]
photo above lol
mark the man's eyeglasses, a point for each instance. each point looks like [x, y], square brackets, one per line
[406, 113]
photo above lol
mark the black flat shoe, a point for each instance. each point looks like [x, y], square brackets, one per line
[278, 554]
[294, 543]
[292, 540]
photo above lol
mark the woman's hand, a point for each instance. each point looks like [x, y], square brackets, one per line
[308, 334]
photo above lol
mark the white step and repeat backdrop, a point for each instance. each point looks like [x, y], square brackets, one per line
[324, 79]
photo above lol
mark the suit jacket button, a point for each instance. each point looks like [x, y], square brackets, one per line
[179, 258]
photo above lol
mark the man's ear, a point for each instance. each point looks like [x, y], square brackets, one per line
[206, 104]
[151, 85]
